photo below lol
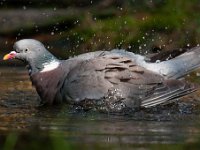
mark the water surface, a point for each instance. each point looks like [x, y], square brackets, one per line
[24, 124]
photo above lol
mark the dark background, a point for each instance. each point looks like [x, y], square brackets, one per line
[71, 27]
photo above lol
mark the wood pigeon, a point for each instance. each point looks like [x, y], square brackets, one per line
[109, 80]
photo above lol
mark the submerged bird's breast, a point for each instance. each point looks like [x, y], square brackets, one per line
[48, 84]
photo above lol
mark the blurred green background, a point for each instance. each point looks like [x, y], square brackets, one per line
[71, 27]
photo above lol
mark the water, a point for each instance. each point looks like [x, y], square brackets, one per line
[23, 124]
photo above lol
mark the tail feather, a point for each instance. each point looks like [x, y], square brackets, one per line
[177, 67]
[175, 89]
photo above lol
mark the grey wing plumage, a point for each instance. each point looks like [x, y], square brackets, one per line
[137, 86]
[86, 81]
[170, 69]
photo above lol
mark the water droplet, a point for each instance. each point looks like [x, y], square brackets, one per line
[24, 8]
[158, 61]
[52, 33]
[198, 74]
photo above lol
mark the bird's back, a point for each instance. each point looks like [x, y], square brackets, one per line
[115, 82]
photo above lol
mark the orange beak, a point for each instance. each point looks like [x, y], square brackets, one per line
[11, 55]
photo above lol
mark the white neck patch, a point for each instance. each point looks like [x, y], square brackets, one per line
[50, 66]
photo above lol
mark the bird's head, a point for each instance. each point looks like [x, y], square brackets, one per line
[32, 52]
[27, 50]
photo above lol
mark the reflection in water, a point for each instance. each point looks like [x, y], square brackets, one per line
[66, 126]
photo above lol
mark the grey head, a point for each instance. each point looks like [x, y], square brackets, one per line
[33, 53]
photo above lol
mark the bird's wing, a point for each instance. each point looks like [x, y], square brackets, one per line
[95, 78]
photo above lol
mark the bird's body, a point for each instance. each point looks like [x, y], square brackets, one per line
[110, 80]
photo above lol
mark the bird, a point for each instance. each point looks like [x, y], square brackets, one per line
[111, 81]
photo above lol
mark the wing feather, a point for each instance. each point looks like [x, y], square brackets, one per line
[94, 78]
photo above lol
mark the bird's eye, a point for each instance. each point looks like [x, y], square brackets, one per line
[26, 50]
